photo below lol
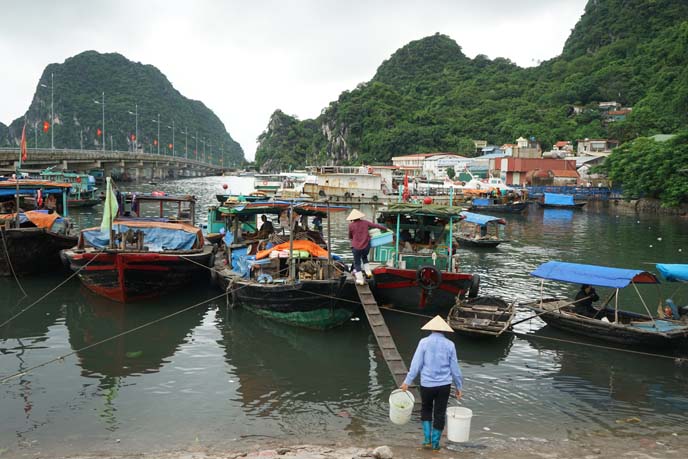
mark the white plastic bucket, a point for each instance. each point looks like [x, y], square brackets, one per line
[458, 423]
[401, 406]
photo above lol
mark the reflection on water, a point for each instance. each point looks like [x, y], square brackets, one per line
[219, 377]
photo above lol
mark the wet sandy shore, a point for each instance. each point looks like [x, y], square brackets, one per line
[658, 447]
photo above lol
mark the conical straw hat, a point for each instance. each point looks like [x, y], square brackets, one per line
[355, 215]
[437, 324]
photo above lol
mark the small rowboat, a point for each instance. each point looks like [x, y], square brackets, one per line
[481, 316]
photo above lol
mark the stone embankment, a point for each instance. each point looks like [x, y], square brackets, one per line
[649, 206]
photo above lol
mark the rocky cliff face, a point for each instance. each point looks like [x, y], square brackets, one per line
[129, 88]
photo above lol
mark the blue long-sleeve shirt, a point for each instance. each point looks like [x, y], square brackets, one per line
[435, 359]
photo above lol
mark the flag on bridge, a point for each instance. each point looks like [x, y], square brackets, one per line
[46, 126]
[133, 137]
[98, 132]
[22, 146]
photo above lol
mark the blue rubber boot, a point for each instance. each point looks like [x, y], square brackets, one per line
[427, 429]
[436, 435]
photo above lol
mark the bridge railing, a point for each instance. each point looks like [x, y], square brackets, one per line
[95, 155]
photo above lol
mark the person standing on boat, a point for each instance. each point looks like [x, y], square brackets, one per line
[585, 297]
[435, 359]
[360, 243]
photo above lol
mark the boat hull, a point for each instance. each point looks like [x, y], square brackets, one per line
[481, 317]
[316, 304]
[515, 208]
[400, 288]
[578, 205]
[481, 243]
[31, 250]
[623, 334]
[134, 276]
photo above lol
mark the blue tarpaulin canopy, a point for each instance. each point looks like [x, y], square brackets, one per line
[481, 202]
[156, 239]
[479, 219]
[673, 272]
[559, 199]
[600, 276]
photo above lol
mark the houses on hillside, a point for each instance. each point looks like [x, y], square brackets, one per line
[517, 164]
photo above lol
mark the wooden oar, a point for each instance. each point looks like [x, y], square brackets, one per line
[545, 312]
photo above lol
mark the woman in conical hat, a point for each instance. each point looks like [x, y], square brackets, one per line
[360, 242]
[435, 359]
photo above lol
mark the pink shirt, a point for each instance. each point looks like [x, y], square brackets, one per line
[358, 233]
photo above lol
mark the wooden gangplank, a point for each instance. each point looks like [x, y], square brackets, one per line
[384, 339]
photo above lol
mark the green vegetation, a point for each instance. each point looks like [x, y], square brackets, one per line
[428, 96]
[81, 80]
[652, 169]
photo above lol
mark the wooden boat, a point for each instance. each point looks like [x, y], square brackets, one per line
[498, 205]
[32, 241]
[83, 191]
[475, 230]
[559, 201]
[143, 258]
[614, 325]
[289, 278]
[481, 316]
[419, 271]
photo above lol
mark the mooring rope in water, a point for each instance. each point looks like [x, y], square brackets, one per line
[677, 360]
[51, 290]
[9, 263]
[119, 335]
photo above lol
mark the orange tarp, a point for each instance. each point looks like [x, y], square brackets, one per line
[40, 219]
[312, 248]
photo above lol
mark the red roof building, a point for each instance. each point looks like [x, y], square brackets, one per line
[541, 171]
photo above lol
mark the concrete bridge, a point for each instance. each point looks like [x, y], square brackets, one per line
[136, 165]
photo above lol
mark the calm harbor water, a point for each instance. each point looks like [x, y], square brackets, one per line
[221, 378]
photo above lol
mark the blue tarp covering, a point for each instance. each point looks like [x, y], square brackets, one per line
[156, 239]
[660, 326]
[600, 276]
[673, 272]
[481, 202]
[559, 199]
[478, 219]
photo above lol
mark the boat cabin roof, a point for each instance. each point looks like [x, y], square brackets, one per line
[165, 197]
[277, 207]
[673, 272]
[33, 184]
[480, 219]
[600, 276]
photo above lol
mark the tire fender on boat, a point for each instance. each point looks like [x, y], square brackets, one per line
[428, 277]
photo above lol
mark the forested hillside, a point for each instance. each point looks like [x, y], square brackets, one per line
[429, 96]
[79, 83]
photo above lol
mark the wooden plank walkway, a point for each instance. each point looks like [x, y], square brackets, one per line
[384, 339]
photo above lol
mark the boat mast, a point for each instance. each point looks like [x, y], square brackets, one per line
[396, 236]
[329, 242]
[450, 245]
[292, 274]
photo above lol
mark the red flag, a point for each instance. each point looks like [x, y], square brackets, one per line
[23, 144]
[133, 137]
[407, 194]
[155, 141]
[169, 146]
[98, 132]
[46, 126]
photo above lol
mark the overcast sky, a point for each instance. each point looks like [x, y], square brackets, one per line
[244, 59]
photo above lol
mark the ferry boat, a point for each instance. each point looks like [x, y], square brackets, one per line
[345, 183]
[267, 183]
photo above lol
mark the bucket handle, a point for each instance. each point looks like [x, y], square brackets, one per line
[407, 393]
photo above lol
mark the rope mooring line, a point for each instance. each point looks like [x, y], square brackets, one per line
[51, 290]
[118, 335]
[9, 263]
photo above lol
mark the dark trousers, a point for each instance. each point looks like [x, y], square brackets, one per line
[360, 256]
[434, 402]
